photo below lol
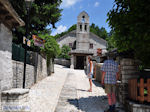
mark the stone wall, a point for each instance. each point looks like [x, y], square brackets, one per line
[33, 73]
[97, 43]
[6, 74]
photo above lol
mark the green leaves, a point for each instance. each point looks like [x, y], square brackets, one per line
[65, 52]
[130, 24]
[41, 14]
[101, 32]
[51, 47]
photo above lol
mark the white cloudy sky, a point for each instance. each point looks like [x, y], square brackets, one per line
[97, 10]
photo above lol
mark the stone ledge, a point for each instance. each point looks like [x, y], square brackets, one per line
[16, 91]
[15, 100]
[135, 107]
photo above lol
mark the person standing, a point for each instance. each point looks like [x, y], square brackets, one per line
[110, 74]
[90, 72]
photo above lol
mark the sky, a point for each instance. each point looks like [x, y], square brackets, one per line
[96, 9]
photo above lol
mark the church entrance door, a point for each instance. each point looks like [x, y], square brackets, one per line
[80, 62]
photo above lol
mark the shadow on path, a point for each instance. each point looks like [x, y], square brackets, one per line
[82, 90]
[90, 104]
[98, 84]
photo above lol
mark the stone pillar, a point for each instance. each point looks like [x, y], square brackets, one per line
[128, 70]
[87, 60]
[98, 71]
[72, 62]
[83, 27]
[75, 61]
[15, 100]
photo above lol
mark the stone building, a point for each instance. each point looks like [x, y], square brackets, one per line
[8, 20]
[83, 42]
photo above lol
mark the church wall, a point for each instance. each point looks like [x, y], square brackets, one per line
[97, 43]
[66, 41]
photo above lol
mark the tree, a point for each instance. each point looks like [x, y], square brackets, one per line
[129, 20]
[101, 32]
[42, 13]
[110, 42]
[51, 47]
[65, 52]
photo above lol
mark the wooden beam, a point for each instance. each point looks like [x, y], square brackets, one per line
[7, 6]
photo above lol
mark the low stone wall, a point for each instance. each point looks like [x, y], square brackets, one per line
[62, 62]
[33, 73]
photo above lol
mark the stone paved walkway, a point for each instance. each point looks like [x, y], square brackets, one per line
[66, 91]
[44, 95]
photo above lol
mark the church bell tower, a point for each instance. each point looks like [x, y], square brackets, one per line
[82, 42]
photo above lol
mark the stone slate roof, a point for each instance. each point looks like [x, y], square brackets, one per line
[74, 33]
[66, 35]
[8, 15]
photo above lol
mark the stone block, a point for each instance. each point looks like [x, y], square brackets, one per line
[128, 68]
[128, 62]
[129, 72]
[15, 100]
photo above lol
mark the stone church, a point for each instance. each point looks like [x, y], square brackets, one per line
[82, 42]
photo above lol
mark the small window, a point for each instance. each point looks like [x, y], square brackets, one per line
[80, 27]
[83, 19]
[91, 46]
[70, 45]
[85, 27]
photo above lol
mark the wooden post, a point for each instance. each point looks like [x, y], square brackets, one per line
[148, 90]
[132, 89]
[135, 89]
[141, 90]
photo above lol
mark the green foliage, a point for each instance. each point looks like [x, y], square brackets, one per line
[51, 47]
[110, 42]
[65, 52]
[129, 19]
[41, 14]
[101, 32]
